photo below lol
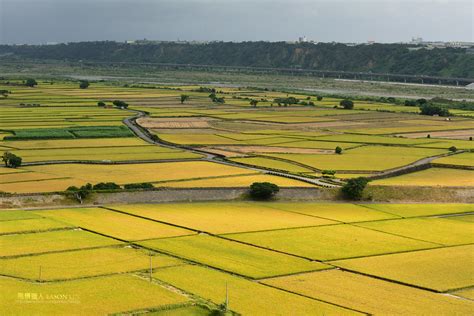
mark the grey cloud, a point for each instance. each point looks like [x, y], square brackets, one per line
[41, 21]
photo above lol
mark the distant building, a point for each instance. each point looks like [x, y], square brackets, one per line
[302, 39]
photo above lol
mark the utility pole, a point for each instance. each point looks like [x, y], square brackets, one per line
[226, 297]
[151, 269]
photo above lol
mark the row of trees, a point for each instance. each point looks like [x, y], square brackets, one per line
[381, 58]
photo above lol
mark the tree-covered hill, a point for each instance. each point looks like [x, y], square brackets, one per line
[390, 58]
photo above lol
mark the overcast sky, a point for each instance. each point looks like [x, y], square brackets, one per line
[42, 21]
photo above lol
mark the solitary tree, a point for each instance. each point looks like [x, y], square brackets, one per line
[263, 190]
[11, 160]
[453, 149]
[319, 98]
[184, 97]
[120, 104]
[30, 82]
[84, 84]
[101, 104]
[347, 104]
[254, 103]
[79, 194]
[354, 188]
[338, 150]
[4, 93]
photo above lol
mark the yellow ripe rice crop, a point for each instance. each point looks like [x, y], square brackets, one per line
[435, 177]
[114, 224]
[440, 269]
[412, 210]
[437, 230]
[219, 218]
[363, 158]
[331, 242]
[341, 212]
[245, 297]
[464, 159]
[30, 225]
[235, 181]
[232, 256]
[138, 173]
[370, 295]
[83, 263]
[22, 244]
[118, 294]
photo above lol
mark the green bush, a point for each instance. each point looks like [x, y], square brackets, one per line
[338, 150]
[354, 188]
[263, 190]
[106, 186]
[138, 186]
[11, 160]
[347, 104]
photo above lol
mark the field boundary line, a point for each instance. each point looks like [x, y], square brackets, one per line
[314, 298]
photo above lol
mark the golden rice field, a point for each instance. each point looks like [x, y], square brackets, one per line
[441, 269]
[117, 225]
[232, 257]
[332, 242]
[196, 252]
[80, 297]
[223, 217]
[370, 295]
[435, 177]
[264, 258]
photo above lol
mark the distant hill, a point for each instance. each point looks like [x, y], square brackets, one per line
[390, 58]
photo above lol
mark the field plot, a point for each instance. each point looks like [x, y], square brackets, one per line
[114, 224]
[363, 158]
[234, 181]
[440, 269]
[75, 143]
[331, 242]
[464, 159]
[272, 164]
[232, 256]
[41, 186]
[468, 293]
[435, 177]
[218, 218]
[370, 295]
[437, 230]
[414, 210]
[341, 212]
[109, 154]
[30, 225]
[463, 218]
[34, 243]
[80, 297]
[245, 297]
[10, 215]
[83, 263]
